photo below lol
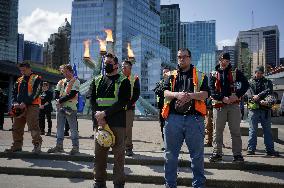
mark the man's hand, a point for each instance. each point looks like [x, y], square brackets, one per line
[226, 100]
[58, 105]
[255, 97]
[183, 97]
[233, 98]
[22, 105]
[102, 122]
[100, 115]
[264, 103]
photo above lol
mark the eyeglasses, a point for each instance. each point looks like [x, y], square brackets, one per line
[182, 57]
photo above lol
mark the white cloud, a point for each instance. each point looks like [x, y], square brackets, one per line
[226, 42]
[40, 24]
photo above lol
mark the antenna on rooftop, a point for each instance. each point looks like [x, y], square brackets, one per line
[252, 20]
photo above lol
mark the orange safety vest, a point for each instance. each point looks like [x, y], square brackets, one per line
[68, 88]
[31, 82]
[199, 105]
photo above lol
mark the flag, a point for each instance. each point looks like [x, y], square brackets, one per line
[75, 71]
[81, 102]
[103, 72]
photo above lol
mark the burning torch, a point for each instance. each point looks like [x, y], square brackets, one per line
[109, 41]
[87, 58]
[130, 54]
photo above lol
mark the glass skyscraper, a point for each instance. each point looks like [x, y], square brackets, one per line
[33, 52]
[20, 48]
[133, 21]
[8, 29]
[170, 29]
[200, 38]
[262, 46]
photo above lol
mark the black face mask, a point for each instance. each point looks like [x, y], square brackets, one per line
[109, 68]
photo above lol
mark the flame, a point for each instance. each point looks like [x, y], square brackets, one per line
[129, 51]
[87, 48]
[109, 35]
[102, 45]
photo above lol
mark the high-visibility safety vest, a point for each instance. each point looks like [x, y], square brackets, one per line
[232, 79]
[103, 101]
[31, 82]
[67, 89]
[132, 80]
[199, 105]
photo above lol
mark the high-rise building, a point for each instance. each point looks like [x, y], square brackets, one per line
[8, 30]
[130, 21]
[20, 48]
[33, 52]
[170, 29]
[200, 38]
[231, 50]
[262, 48]
[57, 49]
[282, 61]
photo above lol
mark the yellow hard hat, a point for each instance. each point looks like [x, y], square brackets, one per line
[105, 136]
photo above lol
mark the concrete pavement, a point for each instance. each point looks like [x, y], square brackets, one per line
[147, 164]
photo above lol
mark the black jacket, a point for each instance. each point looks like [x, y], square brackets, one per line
[47, 96]
[241, 82]
[115, 114]
[261, 87]
[23, 95]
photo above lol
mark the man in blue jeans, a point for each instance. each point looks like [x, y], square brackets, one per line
[260, 104]
[184, 110]
[66, 96]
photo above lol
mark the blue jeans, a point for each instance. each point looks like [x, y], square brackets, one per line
[191, 129]
[72, 121]
[263, 117]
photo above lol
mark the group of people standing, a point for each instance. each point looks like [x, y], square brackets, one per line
[186, 97]
[189, 98]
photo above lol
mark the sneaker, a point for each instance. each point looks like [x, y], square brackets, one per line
[118, 185]
[37, 149]
[48, 134]
[273, 154]
[129, 153]
[56, 149]
[238, 159]
[208, 145]
[215, 158]
[100, 185]
[74, 150]
[13, 150]
[250, 152]
[42, 133]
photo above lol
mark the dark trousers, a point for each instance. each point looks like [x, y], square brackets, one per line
[101, 155]
[42, 114]
[162, 123]
[1, 118]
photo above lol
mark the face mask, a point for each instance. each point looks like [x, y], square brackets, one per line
[109, 68]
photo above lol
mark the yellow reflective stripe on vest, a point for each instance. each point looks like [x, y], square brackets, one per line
[108, 101]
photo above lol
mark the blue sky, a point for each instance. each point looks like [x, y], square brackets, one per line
[231, 16]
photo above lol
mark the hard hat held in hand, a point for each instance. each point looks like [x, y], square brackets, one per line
[105, 136]
[17, 112]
